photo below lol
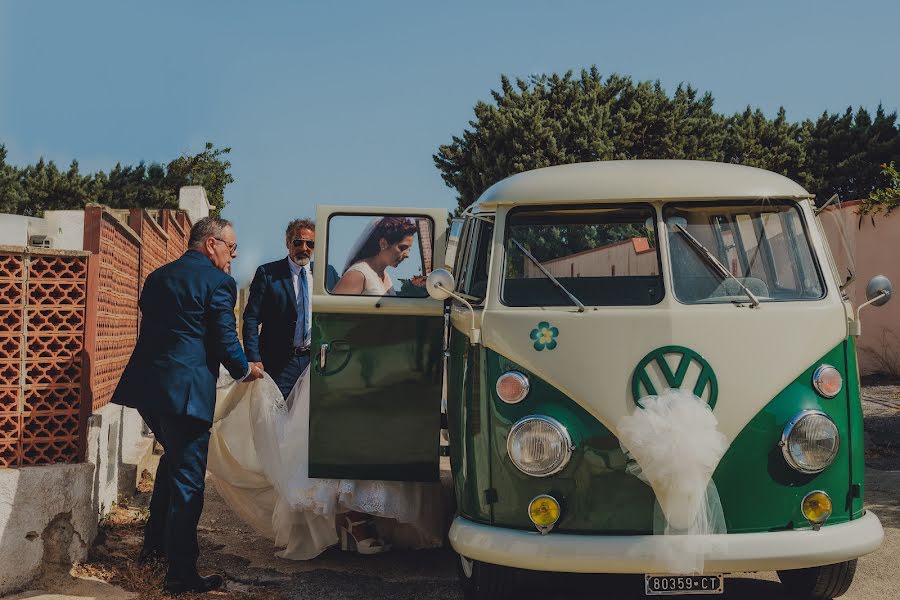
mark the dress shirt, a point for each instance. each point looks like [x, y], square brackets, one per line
[295, 279]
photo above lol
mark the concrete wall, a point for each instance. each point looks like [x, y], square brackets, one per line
[49, 514]
[869, 248]
[66, 228]
[192, 199]
[16, 229]
[47, 521]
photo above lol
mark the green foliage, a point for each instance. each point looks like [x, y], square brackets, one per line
[887, 198]
[209, 169]
[551, 119]
[32, 189]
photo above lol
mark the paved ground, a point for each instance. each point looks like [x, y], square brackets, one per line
[254, 573]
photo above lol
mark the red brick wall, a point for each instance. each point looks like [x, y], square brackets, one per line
[153, 242]
[113, 298]
[68, 325]
[178, 236]
[42, 322]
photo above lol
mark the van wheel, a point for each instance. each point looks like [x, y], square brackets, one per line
[483, 581]
[819, 583]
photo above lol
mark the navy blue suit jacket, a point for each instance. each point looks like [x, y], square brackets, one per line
[273, 305]
[187, 329]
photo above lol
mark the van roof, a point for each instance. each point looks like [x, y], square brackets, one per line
[624, 180]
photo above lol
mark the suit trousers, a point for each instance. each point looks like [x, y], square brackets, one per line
[288, 376]
[177, 500]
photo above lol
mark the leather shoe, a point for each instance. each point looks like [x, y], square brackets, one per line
[150, 554]
[199, 584]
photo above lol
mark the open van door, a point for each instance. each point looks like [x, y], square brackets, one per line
[376, 360]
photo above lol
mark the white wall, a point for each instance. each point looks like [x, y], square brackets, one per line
[15, 229]
[66, 227]
[193, 200]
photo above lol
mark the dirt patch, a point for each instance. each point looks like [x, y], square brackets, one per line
[230, 547]
[112, 559]
[881, 414]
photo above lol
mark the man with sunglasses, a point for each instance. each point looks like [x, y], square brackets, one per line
[278, 316]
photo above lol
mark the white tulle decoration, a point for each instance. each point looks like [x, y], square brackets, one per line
[675, 445]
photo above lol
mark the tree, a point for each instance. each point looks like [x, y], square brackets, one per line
[773, 144]
[550, 119]
[35, 188]
[845, 152]
[887, 198]
[208, 169]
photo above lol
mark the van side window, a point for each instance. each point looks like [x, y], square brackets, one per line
[473, 279]
[454, 235]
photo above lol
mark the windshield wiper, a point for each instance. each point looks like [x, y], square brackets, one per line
[717, 265]
[537, 263]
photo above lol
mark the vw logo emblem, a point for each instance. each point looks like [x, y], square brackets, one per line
[659, 363]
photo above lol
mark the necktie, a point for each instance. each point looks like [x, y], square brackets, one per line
[302, 298]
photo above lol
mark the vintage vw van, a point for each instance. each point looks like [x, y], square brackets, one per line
[570, 293]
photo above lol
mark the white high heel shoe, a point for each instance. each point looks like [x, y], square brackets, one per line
[370, 545]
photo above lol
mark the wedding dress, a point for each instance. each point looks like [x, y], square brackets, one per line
[258, 455]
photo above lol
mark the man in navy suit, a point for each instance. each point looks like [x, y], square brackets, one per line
[280, 303]
[187, 330]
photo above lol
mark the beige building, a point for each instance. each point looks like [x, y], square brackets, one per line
[633, 256]
[868, 246]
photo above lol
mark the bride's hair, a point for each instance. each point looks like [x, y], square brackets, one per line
[391, 229]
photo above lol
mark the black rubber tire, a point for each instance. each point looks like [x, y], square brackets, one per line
[487, 581]
[819, 583]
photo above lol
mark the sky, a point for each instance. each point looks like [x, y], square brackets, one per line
[346, 102]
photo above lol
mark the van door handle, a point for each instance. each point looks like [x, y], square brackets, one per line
[323, 353]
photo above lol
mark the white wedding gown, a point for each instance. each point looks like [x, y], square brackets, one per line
[258, 462]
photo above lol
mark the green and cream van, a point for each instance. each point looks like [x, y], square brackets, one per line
[566, 295]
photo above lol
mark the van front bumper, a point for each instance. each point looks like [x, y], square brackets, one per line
[570, 553]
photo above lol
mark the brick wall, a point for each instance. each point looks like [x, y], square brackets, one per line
[112, 314]
[68, 325]
[43, 296]
[178, 236]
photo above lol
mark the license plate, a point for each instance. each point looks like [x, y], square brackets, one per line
[673, 585]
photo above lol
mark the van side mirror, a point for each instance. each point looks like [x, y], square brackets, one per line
[879, 290]
[440, 284]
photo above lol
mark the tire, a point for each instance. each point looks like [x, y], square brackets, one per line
[819, 583]
[483, 581]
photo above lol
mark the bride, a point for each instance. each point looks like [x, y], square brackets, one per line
[385, 243]
[259, 448]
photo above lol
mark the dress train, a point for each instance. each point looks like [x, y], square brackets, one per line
[258, 461]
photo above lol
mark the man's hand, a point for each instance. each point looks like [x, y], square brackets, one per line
[256, 372]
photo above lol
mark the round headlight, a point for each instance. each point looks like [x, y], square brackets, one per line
[539, 446]
[816, 507]
[544, 512]
[810, 441]
[512, 387]
[828, 381]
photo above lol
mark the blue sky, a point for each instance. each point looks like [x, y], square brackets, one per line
[345, 102]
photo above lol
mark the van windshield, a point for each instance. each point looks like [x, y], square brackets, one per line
[604, 256]
[763, 244]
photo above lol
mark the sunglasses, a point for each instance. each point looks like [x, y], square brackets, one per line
[308, 243]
